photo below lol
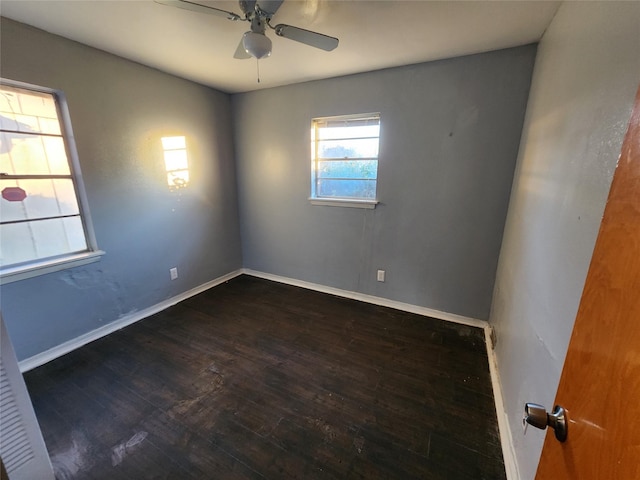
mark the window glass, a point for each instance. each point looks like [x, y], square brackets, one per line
[40, 212]
[344, 153]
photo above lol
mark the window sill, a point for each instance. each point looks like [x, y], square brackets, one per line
[344, 202]
[14, 274]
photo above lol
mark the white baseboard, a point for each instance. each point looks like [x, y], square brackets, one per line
[503, 425]
[66, 347]
[506, 440]
[383, 302]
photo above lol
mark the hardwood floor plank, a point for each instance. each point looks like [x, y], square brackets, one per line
[254, 379]
[192, 452]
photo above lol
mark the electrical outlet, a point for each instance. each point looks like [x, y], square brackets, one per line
[381, 275]
[173, 272]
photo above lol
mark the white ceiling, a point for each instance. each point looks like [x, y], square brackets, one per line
[373, 34]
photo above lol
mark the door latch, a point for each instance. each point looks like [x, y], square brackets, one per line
[537, 416]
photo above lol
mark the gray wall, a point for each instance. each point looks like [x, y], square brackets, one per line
[449, 140]
[119, 111]
[585, 78]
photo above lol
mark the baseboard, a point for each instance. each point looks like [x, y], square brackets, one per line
[383, 302]
[503, 424]
[66, 347]
[506, 440]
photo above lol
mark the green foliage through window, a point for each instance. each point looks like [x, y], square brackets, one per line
[345, 156]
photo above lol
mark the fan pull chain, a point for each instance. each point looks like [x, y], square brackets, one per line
[258, 69]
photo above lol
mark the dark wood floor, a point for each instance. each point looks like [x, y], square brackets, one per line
[255, 379]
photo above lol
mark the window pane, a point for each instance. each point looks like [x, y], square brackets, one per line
[45, 198]
[39, 217]
[53, 238]
[16, 244]
[348, 169]
[29, 111]
[363, 148]
[56, 155]
[347, 188]
[21, 242]
[7, 121]
[74, 231]
[32, 155]
[344, 152]
[328, 133]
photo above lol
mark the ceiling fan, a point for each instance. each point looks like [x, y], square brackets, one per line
[255, 42]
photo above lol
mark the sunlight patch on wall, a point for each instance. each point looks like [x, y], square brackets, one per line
[176, 162]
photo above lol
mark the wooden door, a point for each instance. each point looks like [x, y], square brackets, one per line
[600, 382]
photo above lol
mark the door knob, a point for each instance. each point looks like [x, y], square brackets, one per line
[537, 416]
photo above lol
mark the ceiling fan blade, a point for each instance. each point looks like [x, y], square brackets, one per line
[241, 53]
[196, 7]
[269, 7]
[247, 6]
[307, 37]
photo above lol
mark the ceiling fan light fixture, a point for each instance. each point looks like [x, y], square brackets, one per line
[257, 45]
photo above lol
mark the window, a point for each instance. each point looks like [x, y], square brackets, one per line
[43, 218]
[344, 152]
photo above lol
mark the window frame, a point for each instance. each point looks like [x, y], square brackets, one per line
[36, 267]
[345, 201]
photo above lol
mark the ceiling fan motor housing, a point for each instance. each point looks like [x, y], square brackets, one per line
[257, 45]
[255, 42]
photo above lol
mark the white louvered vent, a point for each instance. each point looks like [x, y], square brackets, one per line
[24, 454]
[15, 448]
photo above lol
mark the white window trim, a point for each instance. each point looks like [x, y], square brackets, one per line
[49, 265]
[349, 202]
[344, 202]
[43, 266]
